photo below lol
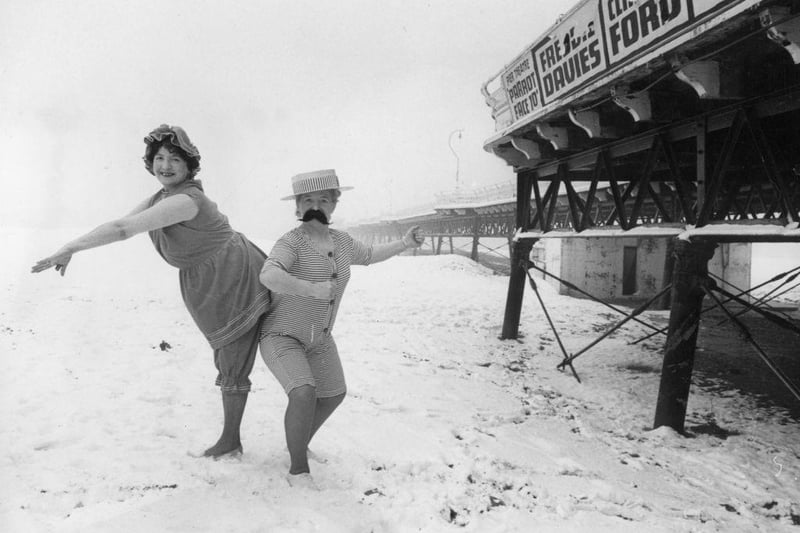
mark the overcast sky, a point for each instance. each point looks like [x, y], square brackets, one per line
[266, 89]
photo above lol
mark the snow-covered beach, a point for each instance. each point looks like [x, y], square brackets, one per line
[108, 385]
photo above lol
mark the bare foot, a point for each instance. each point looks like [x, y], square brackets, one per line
[302, 481]
[220, 450]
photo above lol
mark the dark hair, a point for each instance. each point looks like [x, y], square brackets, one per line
[192, 163]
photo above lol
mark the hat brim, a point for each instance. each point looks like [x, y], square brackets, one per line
[293, 196]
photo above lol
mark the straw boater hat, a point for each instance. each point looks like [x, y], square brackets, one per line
[319, 180]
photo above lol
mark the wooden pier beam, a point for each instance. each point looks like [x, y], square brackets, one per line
[690, 271]
[476, 237]
[520, 255]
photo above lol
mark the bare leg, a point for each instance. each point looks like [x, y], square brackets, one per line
[230, 441]
[298, 422]
[325, 407]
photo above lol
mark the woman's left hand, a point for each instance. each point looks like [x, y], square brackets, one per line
[412, 238]
[60, 260]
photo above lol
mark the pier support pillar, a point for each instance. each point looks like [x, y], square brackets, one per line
[520, 253]
[689, 272]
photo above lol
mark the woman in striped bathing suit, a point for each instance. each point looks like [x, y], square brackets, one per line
[307, 272]
[218, 266]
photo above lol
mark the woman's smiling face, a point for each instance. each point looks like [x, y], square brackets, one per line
[170, 168]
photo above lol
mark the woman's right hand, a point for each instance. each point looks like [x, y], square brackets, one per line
[324, 290]
[60, 260]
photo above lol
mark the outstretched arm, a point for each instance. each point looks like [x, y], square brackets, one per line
[412, 239]
[172, 210]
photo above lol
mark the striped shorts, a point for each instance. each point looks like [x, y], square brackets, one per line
[294, 364]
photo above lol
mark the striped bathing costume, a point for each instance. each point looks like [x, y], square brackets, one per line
[296, 336]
